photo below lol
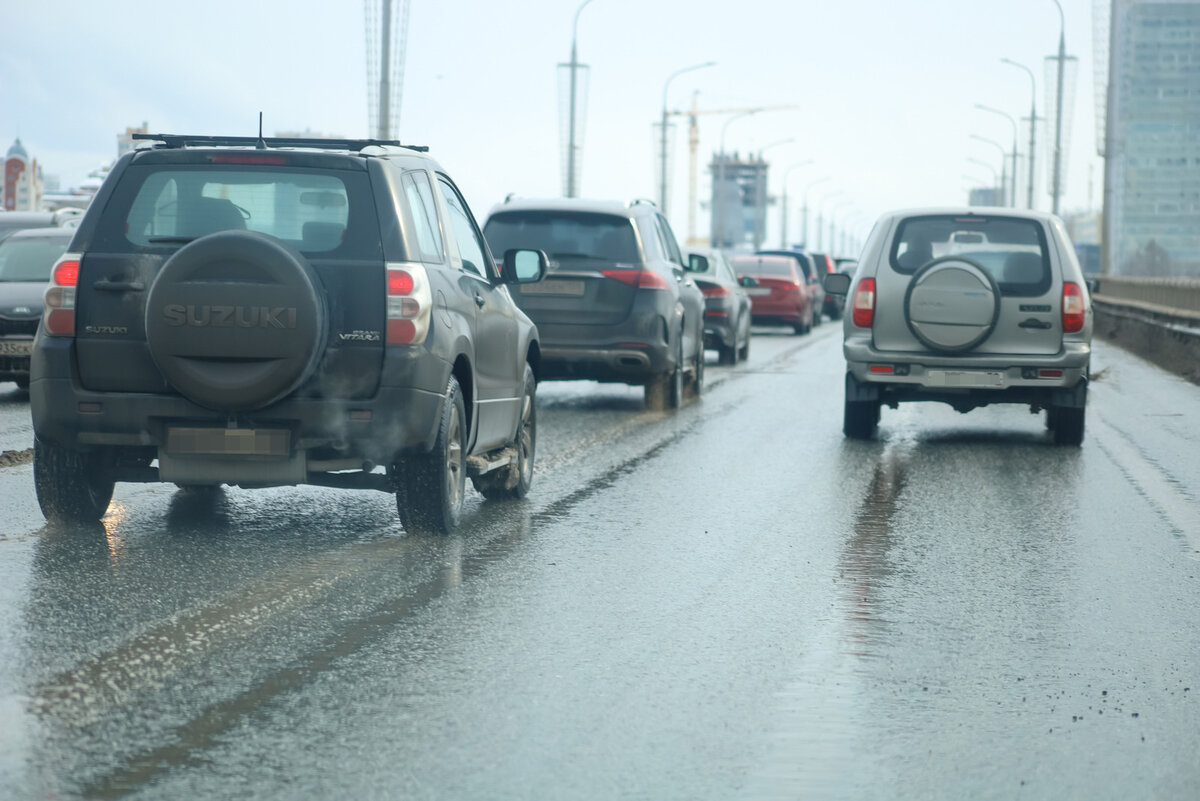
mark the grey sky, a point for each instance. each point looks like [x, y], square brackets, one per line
[887, 89]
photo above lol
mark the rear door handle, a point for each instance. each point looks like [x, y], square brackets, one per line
[1033, 322]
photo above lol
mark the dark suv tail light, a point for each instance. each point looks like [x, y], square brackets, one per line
[863, 305]
[409, 303]
[58, 316]
[1073, 310]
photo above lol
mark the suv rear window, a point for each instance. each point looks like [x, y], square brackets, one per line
[573, 240]
[315, 211]
[1011, 249]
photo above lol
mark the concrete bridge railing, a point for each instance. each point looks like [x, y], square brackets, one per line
[1157, 318]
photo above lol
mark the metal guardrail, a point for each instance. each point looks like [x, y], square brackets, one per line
[1182, 294]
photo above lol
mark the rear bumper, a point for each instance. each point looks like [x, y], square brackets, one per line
[397, 419]
[971, 381]
[629, 352]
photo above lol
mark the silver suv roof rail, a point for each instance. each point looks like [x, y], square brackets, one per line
[181, 140]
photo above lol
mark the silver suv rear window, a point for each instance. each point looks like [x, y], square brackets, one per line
[1013, 250]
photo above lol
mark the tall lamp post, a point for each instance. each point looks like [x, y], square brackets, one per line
[662, 184]
[718, 204]
[783, 218]
[1032, 123]
[821, 216]
[1012, 197]
[808, 186]
[1056, 191]
[572, 190]
[832, 249]
[1003, 170]
[760, 223]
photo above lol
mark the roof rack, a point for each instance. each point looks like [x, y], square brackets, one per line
[180, 140]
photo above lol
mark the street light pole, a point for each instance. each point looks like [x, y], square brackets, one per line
[783, 218]
[832, 249]
[572, 190]
[760, 202]
[1012, 198]
[1032, 123]
[718, 204]
[808, 186]
[662, 193]
[995, 175]
[821, 217]
[1003, 156]
[1058, 110]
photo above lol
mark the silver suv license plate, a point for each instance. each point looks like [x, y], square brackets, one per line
[965, 378]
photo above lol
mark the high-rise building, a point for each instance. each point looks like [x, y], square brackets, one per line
[739, 201]
[1152, 141]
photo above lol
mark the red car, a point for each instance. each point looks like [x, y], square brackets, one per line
[780, 295]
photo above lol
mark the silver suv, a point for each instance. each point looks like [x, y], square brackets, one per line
[967, 307]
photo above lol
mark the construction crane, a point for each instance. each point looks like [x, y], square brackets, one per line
[694, 148]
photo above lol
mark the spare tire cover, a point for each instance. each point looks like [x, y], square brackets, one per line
[952, 304]
[236, 320]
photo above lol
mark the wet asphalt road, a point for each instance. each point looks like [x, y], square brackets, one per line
[727, 602]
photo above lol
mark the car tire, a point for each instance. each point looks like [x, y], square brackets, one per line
[432, 485]
[71, 487]
[502, 484]
[22, 382]
[1068, 425]
[665, 390]
[860, 419]
[697, 384]
[744, 351]
[727, 354]
[947, 274]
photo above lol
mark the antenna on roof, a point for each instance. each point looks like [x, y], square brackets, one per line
[261, 144]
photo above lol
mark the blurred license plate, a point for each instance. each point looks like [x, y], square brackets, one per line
[758, 290]
[19, 348]
[228, 442]
[966, 378]
[553, 286]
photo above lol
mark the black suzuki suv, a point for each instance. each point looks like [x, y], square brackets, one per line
[234, 310]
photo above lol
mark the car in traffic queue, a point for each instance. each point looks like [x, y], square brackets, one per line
[968, 307]
[726, 304]
[26, 260]
[778, 290]
[823, 265]
[618, 304]
[812, 279]
[12, 221]
[267, 312]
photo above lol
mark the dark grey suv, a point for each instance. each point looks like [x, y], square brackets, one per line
[617, 305]
[261, 313]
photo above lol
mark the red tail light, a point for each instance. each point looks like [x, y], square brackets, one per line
[58, 315]
[1073, 310]
[863, 305]
[409, 302]
[640, 279]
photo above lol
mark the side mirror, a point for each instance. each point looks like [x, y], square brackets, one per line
[747, 281]
[697, 263]
[837, 283]
[523, 266]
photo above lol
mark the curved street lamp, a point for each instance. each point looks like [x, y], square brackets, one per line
[662, 193]
[1012, 195]
[807, 187]
[571, 188]
[1032, 123]
[783, 218]
[1003, 169]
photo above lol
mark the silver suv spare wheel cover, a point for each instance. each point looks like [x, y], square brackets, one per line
[236, 320]
[952, 304]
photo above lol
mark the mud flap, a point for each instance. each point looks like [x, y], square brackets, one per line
[1073, 398]
[856, 391]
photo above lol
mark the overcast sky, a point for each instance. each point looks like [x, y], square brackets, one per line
[886, 90]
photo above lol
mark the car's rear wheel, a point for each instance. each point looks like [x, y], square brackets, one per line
[727, 354]
[665, 390]
[697, 384]
[744, 350]
[1068, 425]
[432, 485]
[71, 487]
[22, 381]
[860, 419]
[500, 484]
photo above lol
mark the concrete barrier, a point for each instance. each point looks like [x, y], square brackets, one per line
[1166, 335]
